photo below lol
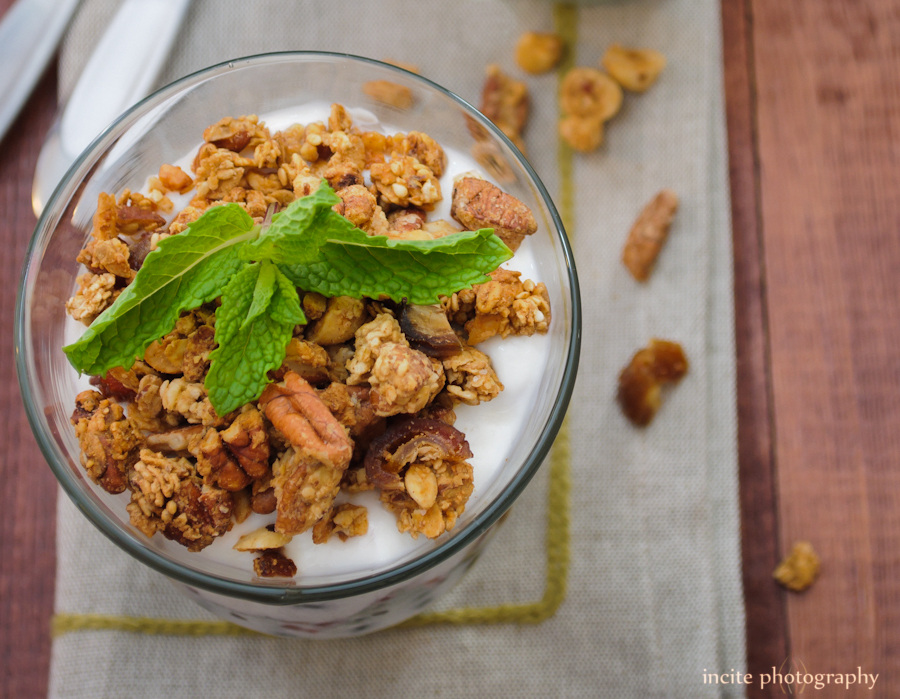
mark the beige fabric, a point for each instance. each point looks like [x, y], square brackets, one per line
[654, 596]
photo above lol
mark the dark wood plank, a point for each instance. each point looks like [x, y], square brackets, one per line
[766, 634]
[828, 109]
[27, 523]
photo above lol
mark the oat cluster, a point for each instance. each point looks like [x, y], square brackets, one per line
[365, 396]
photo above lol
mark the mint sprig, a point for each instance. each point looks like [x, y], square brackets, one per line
[419, 271]
[259, 310]
[255, 271]
[184, 272]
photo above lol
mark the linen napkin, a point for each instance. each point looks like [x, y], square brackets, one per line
[638, 590]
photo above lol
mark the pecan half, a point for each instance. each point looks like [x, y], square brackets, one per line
[505, 101]
[307, 476]
[296, 411]
[478, 203]
[648, 234]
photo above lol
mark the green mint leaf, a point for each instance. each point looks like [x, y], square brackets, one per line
[257, 315]
[416, 270]
[297, 232]
[320, 250]
[184, 272]
[262, 292]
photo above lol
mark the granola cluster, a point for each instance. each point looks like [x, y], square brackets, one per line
[504, 306]
[365, 396]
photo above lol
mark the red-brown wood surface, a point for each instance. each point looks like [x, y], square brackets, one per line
[813, 108]
[813, 92]
[827, 84]
[28, 518]
[764, 601]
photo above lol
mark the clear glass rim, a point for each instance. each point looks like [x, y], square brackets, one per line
[295, 594]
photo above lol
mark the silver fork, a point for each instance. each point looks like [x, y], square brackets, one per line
[121, 71]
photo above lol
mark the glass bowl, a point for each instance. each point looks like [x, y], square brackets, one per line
[167, 127]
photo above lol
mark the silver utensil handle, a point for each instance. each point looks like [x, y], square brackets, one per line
[123, 67]
[29, 34]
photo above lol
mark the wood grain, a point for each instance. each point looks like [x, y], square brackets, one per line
[767, 642]
[827, 80]
[28, 521]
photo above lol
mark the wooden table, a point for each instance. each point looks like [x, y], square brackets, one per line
[813, 100]
[813, 108]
